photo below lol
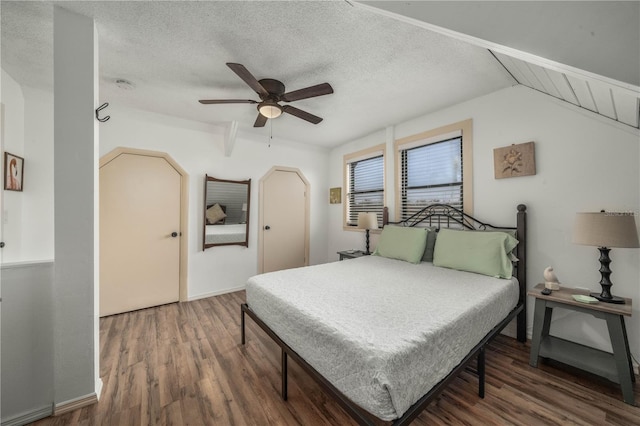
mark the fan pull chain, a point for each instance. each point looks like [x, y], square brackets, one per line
[270, 132]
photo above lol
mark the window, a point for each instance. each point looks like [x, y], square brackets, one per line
[431, 174]
[433, 168]
[364, 179]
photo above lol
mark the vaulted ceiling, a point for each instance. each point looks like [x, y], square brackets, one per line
[383, 69]
[586, 53]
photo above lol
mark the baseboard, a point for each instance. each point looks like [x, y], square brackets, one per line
[28, 417]
[215, 293]
[74, 404]
[99, 384]
[25, 264]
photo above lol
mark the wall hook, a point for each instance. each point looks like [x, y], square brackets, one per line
[100, 108]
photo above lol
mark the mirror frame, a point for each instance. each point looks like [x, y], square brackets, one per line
[244, 243]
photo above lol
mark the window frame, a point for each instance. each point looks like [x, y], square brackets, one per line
[462, 129]
[365, 154]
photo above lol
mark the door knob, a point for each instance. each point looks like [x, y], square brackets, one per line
[267, 227]
[174, 234]
[1, 244]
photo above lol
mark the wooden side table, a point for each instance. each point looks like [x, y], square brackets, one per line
[351, 254]
[614, 366]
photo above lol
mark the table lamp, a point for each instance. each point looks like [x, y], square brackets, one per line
[367, 221]
[605, 230]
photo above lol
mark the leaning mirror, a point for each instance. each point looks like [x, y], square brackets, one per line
[226, 212]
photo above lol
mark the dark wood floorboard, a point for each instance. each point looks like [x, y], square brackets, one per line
[183, 364]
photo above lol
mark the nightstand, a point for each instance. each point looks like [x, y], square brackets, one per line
[351, 254]
[614, 366]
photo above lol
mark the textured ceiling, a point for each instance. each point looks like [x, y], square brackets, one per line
[601, 37]
[383, 71]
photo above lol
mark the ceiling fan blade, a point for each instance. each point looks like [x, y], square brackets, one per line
[260, 121]
[248, 78]
[227, 101]
[308, 92]
[301, 114]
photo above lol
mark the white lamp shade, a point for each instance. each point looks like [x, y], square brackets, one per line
[270, 110]
[367, 221]
[244, 207]
[605, 229]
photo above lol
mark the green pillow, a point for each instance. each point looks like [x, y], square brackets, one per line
[475, 251]
[512, 232]
[398, 242]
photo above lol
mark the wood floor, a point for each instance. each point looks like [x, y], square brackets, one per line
[182, 364]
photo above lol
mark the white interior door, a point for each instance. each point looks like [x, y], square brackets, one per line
[284, 221]
[139, 233]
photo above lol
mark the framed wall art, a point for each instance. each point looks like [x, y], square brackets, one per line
[335, 195]
[514, 160]
[13, 172]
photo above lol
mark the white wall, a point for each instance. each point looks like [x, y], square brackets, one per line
[37, 205]
[584, 163]
[13, 142]
[199, 149]
[28, 133]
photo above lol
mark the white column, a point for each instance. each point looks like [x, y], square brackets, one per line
[76, 371]
[390, 175]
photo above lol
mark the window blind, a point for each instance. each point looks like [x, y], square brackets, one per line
[431, 174]
[365, 188]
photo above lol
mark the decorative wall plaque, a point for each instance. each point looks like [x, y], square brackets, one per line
[514, 160]
[335, 195]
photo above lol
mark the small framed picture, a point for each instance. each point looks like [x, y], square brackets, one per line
[514, 160]
[13, 172]
[335, 195]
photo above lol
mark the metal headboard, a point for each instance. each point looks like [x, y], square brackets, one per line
[444, 215]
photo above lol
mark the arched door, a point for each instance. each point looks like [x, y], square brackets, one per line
[140, 231]
[284, 220]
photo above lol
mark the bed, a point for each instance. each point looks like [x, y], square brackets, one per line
[385, 335]
[225, 234]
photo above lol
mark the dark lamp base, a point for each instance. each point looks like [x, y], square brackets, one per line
[612, 299]
[605, 282]
[367, 238]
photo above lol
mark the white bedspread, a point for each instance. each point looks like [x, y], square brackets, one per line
[220, 234]
[383, 331]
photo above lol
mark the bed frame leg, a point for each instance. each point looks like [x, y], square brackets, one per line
[284, 374]
[521, 321]
[242, 322]
[481, 372]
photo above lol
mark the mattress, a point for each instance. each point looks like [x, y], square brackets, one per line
[382, 331]
[220, 234]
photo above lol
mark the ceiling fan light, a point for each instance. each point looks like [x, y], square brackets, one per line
[270, 109]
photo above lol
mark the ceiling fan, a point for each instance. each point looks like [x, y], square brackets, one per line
[271, 92]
